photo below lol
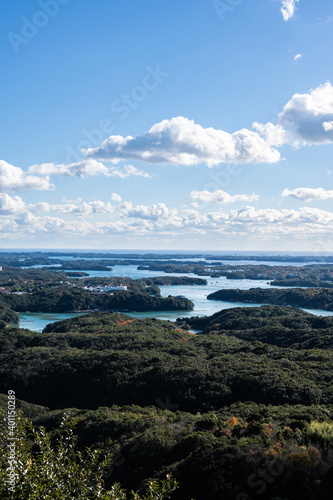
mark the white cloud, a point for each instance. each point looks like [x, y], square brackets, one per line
[222, 197]
[83, 168]
[65, 200]
[158, 213]
[14, 179]
[84, 209]
[288, 8]
[115, 197]
[127, 171]
[181, 141]
[11, 204]
[160, 221]
[305, 120]
[308, 194]
[87, 209]
[328, 126]
[297, 56]
[274, 135]
[30, 223]
[308, 117]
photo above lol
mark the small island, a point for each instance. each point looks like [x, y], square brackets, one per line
[309, 298]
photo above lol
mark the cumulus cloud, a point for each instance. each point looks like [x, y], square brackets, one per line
[14, 179]
[157, 213]
[158, 220]
[127, 171]
[297, 56]
[288, 8]
[309, 117]
[11, 204]
[115, 197]
[274, 135]
[308, 194]
[83, 168]
[181, 141]
[84, 209]
[30, 223]
[305, 120]
[273, 216]
[239, 221]
[328, 126]
[222, 197]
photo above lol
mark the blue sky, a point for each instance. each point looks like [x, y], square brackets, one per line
[166, 125]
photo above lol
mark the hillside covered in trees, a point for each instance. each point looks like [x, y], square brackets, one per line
[67, 299]
[242, 410]
[37, 290]
[311, 298]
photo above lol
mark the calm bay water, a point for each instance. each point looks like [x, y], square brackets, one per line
[196, 293]
[38, 321]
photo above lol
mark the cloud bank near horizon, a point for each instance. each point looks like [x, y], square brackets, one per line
[128, 220]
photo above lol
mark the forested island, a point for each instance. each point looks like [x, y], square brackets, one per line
[47, 291]
[246, 406]
[66, 299]
[308, 298]
[315, 275]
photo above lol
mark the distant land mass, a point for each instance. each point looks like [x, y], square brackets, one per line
[42, 254]
[309, 298]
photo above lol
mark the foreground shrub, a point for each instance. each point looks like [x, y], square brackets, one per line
[42, 469]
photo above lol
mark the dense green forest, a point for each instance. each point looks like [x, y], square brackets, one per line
[7, 316]
[241, 411]
[142, 283]
[16, 277]
[40, 290]
[78, 299]
[310, 298]
[276, 325]
[141, 360]
[241, 452]
[109, 404]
